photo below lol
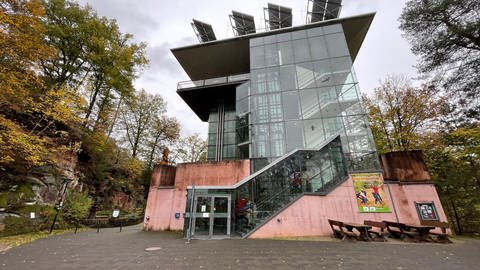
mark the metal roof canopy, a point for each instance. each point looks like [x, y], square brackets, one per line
[231, 56]
[204, 31]
[242, 24]
[321, 10]
[278, 16]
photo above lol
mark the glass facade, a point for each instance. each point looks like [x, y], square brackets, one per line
[302, 91]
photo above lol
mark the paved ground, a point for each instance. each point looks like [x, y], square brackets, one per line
[110, 249]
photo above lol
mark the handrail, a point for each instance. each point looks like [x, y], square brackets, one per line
[213, 81]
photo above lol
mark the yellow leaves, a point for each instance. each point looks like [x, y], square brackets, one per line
[19, 147]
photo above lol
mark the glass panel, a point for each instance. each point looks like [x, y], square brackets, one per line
[336, 44]
[269, 39]
[242, 91]
[329, 29]
[257, 57]
[284, 37]
[323, 76]
[277, 142]
[287, 77]
[285, 53]
[294, 135]
[301, 50]
[275, 104]
[309, 103]
[290, 105]
[314, 133]
[318, 48]
[271, 55]
[256, 41]
[315, 32]
[202, 216]
[305, 76]
[302, 34]
[259, 83]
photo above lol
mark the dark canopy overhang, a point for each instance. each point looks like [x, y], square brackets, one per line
[231, 56]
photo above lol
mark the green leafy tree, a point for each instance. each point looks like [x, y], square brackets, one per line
[400, 113]
[189, 149]
[444, 33]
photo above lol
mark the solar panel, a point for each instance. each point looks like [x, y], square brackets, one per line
[278, 16]
[242, 24]
[204, 31]
[320, 10]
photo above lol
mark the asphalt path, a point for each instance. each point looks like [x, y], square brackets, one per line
[135, 249]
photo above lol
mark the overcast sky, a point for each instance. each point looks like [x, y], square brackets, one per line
[166, 24]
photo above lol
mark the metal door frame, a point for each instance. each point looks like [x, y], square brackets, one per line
[212, 214]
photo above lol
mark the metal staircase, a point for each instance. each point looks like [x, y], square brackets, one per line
[273, 188]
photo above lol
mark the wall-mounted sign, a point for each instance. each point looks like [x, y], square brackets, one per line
[426, 211]
[369, 193]
[204, 208]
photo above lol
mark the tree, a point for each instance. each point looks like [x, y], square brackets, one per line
[163, 131]
[138, 115]
[453, 159]
[444, 33]
[93, 56]
[189, 149]
[399, 113]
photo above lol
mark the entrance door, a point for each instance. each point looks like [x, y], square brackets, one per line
[212, 216]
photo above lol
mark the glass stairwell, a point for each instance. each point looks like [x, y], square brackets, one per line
[262, 195]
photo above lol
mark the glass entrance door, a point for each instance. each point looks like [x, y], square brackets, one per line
[212, 216]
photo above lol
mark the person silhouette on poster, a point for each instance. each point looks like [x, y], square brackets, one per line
[362, 195]
[376, 194]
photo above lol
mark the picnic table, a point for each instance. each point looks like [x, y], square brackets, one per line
[361, 228]
[423, 231]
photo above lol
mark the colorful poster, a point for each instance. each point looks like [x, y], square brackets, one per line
[369, 193]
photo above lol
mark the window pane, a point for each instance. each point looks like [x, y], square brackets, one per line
[309, 103]
[290, 105]
[294, 135]
[271, 55]
[318, 48]
[315, 32]
[302, 34]
[336, 44]
[287, 77]
[301, 50]
[305, 76]
[257, 57]
[314, 133]
[285, 53]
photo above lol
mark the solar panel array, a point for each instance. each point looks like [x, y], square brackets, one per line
[278, 16]
[321, 10]
[204, 31]
[242, 24]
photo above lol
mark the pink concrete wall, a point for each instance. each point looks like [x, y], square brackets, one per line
[163, 203]
[309, 215]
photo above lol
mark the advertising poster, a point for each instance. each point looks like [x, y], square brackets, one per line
[369, 193]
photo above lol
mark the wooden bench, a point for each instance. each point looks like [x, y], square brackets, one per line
[339, 230]
[377, 234]
[400, 231]
[441, 234]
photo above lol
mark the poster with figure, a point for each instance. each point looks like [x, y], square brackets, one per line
[426, 210]
[369, 193]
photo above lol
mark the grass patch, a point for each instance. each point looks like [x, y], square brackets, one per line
[17, 240]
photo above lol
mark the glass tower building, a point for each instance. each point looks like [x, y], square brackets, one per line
[277, 91]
